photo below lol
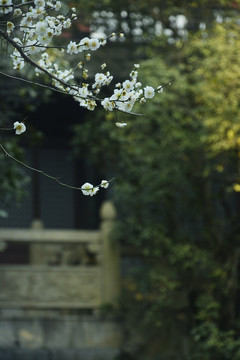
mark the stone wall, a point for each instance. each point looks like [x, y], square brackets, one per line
[49, 307]
[48, 336]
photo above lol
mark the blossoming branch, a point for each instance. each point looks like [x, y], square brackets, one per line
[31, 26]
[29, 29]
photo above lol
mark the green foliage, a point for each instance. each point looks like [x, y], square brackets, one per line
[177, 197]
[214, 342]
[221, 85]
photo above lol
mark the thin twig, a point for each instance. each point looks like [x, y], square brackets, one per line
[45, 174]
[36, 83]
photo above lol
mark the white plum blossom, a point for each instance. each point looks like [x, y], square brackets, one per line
[58, 5]
[125, 106]
[41, 28]
[18, 41]
[149, 92]
[84, 44]
[94, 190]
[159, 89]
[116, 95]
[72, 48]
[17, 12]
[109, 78]
[26, 24]
[18, 62]
[58, 30]
[10, 27]
[31, 47]
[45, 56]
[39, 3]
[90, 104]
[103, 41]
[120, 125]
[104, 184]
[86, 188]
[108, 104]
[89, 189]
[100, 79]
[67, 23]
[128, 85]
[37, 12]
[94, 44]
[20, 127]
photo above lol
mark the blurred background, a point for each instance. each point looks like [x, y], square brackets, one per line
[174, 247]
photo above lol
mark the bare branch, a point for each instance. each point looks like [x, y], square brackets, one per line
[36, 83]
[45, 174]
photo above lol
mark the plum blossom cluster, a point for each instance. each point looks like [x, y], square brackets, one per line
[89, 189]
[31, 27]
[5, 7]
[85, 44]
[127, 93]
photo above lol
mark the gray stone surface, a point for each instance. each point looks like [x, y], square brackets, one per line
[50, 287]
[60, 333]
[65, 354]
[20, 354]
[101, 334]
[87, 354]
[29, 334]
[6, 354]
[7, 335]
[57, 333]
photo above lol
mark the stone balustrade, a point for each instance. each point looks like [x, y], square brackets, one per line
[67, 269]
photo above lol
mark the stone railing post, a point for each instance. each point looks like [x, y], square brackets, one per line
[36, 250]
[110, 254]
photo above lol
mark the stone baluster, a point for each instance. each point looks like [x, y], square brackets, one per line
[110, 262]
[36, 250]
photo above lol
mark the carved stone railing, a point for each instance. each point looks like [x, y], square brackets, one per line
[70, 269]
